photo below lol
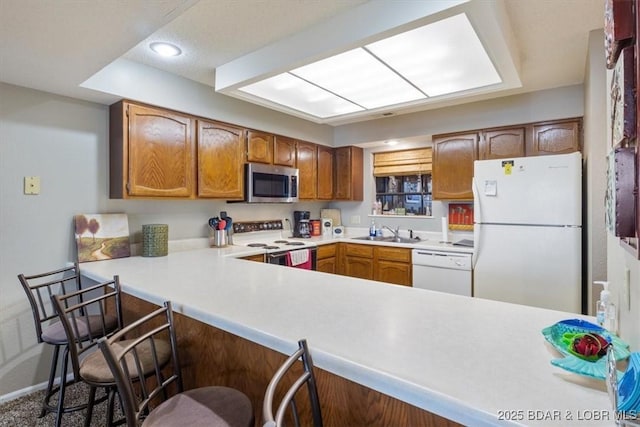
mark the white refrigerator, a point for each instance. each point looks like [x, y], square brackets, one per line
[528, 231]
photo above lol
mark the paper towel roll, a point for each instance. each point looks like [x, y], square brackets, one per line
[445, 229]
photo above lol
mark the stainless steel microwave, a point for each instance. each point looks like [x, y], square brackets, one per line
[270, 183]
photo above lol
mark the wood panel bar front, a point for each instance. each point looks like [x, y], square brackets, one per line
[211, 356]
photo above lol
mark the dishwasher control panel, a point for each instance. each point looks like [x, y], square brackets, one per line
[441, 259]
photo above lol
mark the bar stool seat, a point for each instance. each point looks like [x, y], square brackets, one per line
[95, 370]
[55, 334]
[213, 406]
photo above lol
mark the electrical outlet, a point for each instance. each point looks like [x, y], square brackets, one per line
[626, 289]
[355, 219]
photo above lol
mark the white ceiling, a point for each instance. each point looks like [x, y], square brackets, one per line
[56, 45]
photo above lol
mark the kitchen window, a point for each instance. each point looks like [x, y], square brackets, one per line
[404, 195]
[403, 182]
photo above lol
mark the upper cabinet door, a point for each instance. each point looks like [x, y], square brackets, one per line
[161, 153]
[259, 147]
[284, 151]
[555, 138]
[220, 160]
[325, 173]
[348, 173]
[453, 166]
[502, 143]
[307, 154]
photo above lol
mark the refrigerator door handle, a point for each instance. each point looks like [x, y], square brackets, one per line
[477, 220]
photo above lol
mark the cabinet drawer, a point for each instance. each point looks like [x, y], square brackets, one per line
[394, 254]
[364, 251]
[326, 251]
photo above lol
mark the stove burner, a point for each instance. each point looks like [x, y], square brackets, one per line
[272, 247]
[280, 241]
[257, 245]
[295, 243]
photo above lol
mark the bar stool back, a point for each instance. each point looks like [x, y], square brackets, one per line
[288, 382]
[87, 315]
[213, 406]
[39, 289]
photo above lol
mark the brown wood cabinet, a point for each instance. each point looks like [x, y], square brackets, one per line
[256, 258]
[220, 160]
[307, 163]
[558, 137]
[454, 155]
[393, 265]
[325, 173]
[358, 260]
[263, 147]
[502, 143]
[284, 151]
[152, 152]
[327, 258]
[158, 153]
[259, 147]
[348, 184]
[383, 263]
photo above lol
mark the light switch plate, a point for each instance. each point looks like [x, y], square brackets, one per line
[31, 185]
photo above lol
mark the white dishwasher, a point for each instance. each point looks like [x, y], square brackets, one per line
[442, 271]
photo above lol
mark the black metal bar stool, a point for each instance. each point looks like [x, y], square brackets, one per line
[39, 289]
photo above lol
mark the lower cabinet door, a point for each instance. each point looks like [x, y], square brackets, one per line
[359, 267]
[327, 265]
[394, 272]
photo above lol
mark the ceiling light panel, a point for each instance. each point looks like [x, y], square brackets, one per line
[440, 58]
[358, 76]
[292, 92]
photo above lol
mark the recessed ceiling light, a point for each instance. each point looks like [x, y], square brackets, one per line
[165, 49]
[391, 142]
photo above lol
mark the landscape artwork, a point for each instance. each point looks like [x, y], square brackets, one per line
[101, 236]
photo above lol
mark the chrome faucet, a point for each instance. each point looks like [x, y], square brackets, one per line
[396, 232]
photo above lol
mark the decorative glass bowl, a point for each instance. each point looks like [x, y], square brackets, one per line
[567, 336]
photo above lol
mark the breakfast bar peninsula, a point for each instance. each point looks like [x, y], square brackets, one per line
[385, 354]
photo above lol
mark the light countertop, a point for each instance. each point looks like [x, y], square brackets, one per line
[475, 361]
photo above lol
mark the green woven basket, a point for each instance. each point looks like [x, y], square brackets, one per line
[155, 240]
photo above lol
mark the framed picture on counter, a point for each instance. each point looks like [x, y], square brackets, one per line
[101, 236]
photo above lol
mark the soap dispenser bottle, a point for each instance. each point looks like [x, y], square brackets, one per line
[372, 229]
[606, 314]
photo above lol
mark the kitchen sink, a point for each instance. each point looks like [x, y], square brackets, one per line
[391, 239]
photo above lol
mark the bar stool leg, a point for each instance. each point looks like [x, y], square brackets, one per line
[62, 387]
[90, 403]
[46, 406]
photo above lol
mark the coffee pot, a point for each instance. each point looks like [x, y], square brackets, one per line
[301, 225]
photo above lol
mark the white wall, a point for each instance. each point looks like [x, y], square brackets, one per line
[65, 142]
[595, 170]
[549, 104]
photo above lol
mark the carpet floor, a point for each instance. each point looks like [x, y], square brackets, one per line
[24, 411]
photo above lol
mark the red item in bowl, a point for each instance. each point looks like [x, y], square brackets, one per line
[590, 345]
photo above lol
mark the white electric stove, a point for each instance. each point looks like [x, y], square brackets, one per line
[271, 236]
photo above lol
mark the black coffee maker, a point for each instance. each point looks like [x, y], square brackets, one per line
[301, 226]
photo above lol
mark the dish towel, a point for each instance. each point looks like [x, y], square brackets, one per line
[299, 259]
